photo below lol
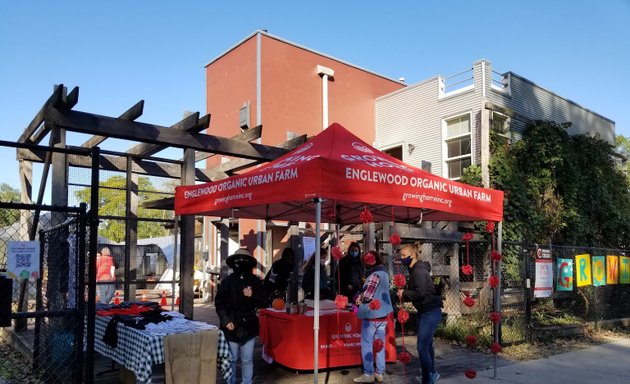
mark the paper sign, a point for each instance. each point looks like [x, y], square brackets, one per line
[544, 278]
[23, 259]
[624, 270]
[612, 269]
[583, 273]
[599, 271]
[564, 280]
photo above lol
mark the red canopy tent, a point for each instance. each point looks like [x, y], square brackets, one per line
[335, 177]
[349, 175]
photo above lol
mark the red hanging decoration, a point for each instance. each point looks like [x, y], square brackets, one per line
[493, 281]
[341, 301]
[467, 269]
[400, 280]
[403, 316]
[394, 239]
[495, 348]
[471, 341]
[490, 226]
[470, 373]
[469, 301]
[369, 258]
[338, 344]
[366, 216]
[404, 357]
[496, 256]
[336, 252]
[377, 345]
[375, 304]
[495, 317]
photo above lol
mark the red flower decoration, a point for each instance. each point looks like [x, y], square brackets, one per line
[467, 236]
[377, 345]
[495, 317]
[490, 226]
[403, 316]
[366, 216]
[469, 301]
[375, 304]
[337, 344]
[341, 301]
[467, 269]
[336, 252]
[369, 258]
[495, 347]
[404, 357]
[496, 256]
[470, 340]
[394, 239]
[400, 280]
[493, 281]
[470, 373]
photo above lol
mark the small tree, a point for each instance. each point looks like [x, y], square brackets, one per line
[112, 203]
[9, 194]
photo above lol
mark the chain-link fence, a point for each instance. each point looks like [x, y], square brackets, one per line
[563, 304]
[41, 254]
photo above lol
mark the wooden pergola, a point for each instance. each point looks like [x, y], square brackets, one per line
[57, 117]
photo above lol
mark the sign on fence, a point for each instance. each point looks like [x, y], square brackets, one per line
[23, 259]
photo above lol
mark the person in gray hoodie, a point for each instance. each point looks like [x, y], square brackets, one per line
[420, 291]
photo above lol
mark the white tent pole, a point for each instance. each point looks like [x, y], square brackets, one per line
[318, 220]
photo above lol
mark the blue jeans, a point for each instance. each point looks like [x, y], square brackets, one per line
[246, 351]
[427, 323]
[370, 331]
[105, 292]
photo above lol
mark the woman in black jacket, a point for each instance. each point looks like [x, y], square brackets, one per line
[238, 297]
[420, 290]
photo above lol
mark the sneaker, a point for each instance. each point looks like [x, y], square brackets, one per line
[378, 377]
[364, 378]
[435, 376]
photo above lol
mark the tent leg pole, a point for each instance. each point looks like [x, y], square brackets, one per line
[318, 222]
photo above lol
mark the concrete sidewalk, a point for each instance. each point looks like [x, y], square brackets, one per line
[606, 364]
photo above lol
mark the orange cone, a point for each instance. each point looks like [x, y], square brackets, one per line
[117, 298]
[144, 296]
[163, 300]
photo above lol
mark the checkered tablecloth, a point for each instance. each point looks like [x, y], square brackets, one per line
[139, 350]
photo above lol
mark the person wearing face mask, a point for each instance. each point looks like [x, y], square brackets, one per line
[279, 276]
[373, 320]
[239, 295]
[351, 272]
[308, 277]
[420, 291]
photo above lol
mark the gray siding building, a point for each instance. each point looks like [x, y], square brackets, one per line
[443, 124]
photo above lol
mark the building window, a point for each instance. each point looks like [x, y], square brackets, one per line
[394, 152]
[458, 145]
[500, 125]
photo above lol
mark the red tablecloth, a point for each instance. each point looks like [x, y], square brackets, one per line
[288, 339]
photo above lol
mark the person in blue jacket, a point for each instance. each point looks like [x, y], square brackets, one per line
[374, 317]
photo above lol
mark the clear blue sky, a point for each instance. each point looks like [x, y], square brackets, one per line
[119, 52]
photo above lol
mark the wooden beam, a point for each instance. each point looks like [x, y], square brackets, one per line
[131, 114]
[239, 164]
[248, 135]
[190, 123]
[149, 133]
[67, 102]
[54, 99]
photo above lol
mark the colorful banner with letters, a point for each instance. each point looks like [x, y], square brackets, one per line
[599, 270]
[564, 275]
[583, 273]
